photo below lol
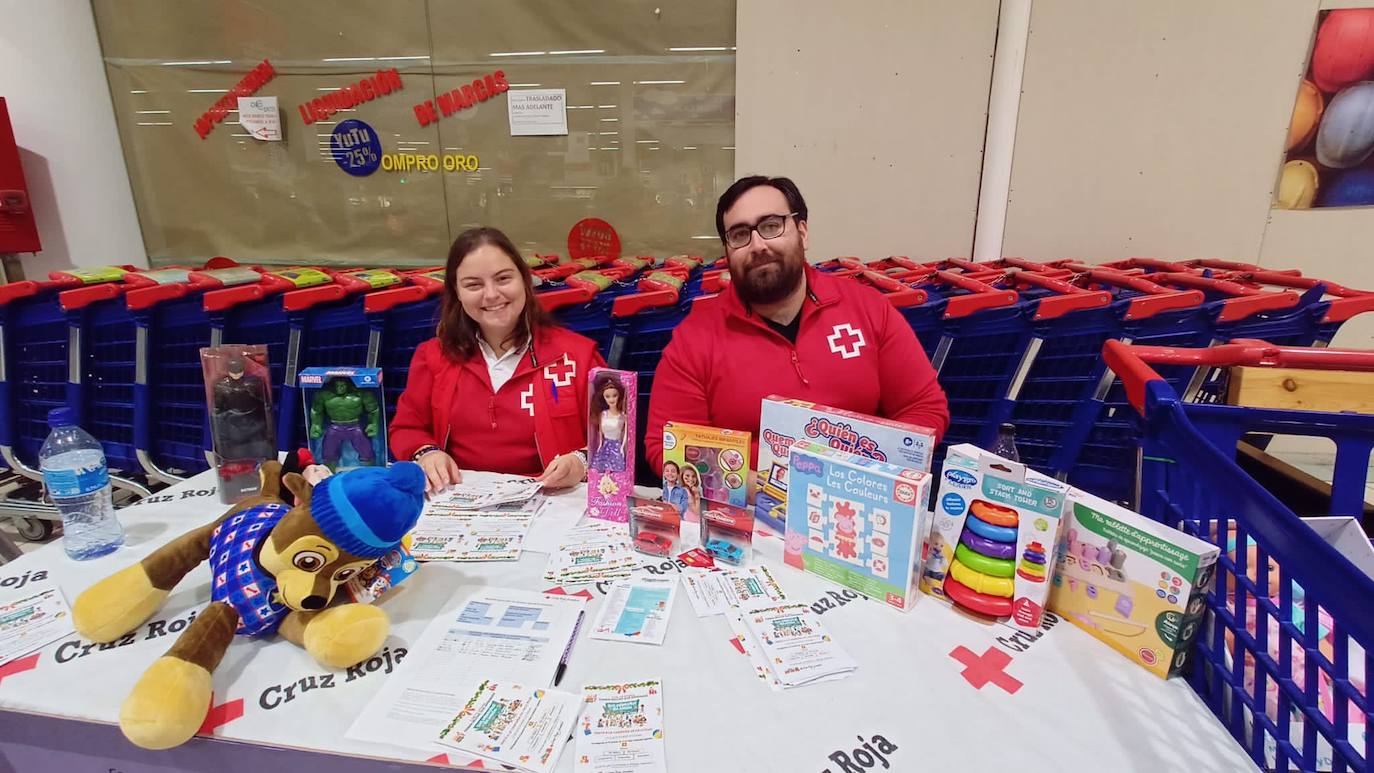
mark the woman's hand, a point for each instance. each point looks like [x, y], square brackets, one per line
[440, 471]
[565, 470]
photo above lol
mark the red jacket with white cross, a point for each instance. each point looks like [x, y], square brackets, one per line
[537, 415]
[854, 351]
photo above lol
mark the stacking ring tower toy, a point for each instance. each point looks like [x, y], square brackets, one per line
[980, 575]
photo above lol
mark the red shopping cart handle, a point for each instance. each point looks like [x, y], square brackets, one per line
[1132, 363]
[557, 299]
[1153, 264]
[1247, 300]
[1071, 297]
[715, 281]
[1231, 265]
[144, 297]
[895, 292]
[385, 300]
[300, 300]
[80, 298]
[629, 305]
[1156, 299]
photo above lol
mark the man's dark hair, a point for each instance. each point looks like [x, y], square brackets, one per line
[795, 202]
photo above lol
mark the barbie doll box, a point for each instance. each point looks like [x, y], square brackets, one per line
[610, 442]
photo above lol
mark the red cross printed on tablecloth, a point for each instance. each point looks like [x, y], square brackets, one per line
[442, 759]
[845, 341]
[220, 715]
[19, 666]
[988, 667]
[584, 593]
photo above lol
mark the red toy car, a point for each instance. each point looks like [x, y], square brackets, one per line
[653, 543]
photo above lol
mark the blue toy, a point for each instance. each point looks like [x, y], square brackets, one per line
[725, 551]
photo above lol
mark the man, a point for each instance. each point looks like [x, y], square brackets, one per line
[783, 328]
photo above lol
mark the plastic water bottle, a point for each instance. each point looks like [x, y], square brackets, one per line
[1005, 445]
[78, 481]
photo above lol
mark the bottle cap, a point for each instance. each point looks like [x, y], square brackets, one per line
[61, 417]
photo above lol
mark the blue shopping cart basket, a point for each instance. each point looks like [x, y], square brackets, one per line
[1290, 693]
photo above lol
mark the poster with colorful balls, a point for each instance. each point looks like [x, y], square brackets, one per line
[1331, 135]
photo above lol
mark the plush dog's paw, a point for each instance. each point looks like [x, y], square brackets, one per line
[116, 605]
[346, 635]
[167, 706]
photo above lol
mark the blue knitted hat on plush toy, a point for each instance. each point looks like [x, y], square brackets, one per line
[366, 511]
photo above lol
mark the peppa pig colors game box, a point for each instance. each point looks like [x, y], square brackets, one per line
[857, 521]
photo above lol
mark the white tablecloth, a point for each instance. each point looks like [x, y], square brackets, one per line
[1078, 706]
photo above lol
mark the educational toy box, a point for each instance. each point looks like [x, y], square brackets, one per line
[785, 421]
[992, 546]
[857, 521]
[345, 416]
[610, 442]
[1132, 582]
[713, 461]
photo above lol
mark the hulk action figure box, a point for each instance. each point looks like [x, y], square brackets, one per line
[345, 419]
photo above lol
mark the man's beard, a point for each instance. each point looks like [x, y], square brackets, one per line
[761, 285]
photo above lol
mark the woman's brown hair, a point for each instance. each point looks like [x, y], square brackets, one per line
[457, 332]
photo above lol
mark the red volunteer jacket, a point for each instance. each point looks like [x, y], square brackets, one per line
[854, 351]
[540, 413]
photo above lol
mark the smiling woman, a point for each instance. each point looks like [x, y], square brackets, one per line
[500, 387]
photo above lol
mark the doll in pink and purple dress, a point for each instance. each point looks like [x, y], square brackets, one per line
[608, 422]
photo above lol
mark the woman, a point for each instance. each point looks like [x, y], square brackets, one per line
[500, 387]
[608, 423]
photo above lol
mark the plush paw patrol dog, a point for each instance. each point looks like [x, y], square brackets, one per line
[274, 568]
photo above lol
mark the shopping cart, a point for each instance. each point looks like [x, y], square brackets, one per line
[172, 326]
[1290, 694]
[399, 320]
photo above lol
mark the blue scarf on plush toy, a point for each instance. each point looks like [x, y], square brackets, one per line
[239, 581]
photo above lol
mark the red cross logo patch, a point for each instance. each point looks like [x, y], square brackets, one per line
[561, 373]
[527, 399]
[845, 341]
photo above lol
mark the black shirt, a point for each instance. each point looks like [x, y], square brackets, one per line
[788, 331]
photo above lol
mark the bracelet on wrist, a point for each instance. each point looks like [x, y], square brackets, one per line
[415, 457]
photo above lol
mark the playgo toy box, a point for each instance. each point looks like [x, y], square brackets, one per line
[785, 421]
[857, 521]
[1134, 583]
[996, 528]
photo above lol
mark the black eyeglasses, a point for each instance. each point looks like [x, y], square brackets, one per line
[770, 227]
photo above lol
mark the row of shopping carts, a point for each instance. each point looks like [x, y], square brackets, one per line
[1013, 341]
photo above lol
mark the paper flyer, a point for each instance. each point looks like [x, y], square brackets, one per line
[795, 645]
[592, 552]
[752, 586]
[512, 724]
[32, 622]
[480, 490]
[485, 633]
[477, 538]
[621, 728]
[637, 610]
[707, 591]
